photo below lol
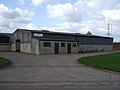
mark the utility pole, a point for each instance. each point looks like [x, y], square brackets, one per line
[109, 27]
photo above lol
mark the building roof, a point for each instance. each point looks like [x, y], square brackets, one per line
[63, 33]
[6, 34]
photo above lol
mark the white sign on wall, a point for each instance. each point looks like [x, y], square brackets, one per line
[38, 35]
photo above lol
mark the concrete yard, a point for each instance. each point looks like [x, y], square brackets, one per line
[30, 70]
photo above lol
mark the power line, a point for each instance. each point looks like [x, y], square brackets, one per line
[109, 29]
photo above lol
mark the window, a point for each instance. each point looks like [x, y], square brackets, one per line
[62, 44]
[74, 45]
[47, 44]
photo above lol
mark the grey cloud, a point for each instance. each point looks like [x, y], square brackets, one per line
[9, 15]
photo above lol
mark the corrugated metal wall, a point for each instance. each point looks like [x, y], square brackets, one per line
[82, 40]
[4, 39]
[56, 36]
[95, 41]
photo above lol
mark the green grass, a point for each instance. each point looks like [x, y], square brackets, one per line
[107, 61]
[4, 62]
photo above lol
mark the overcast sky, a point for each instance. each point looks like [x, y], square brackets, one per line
[78, 16]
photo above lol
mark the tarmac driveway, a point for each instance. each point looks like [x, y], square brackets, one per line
[56, 70]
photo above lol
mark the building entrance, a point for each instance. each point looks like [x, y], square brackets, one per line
[18, 45]
[56, 48]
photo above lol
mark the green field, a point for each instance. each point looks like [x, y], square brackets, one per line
[4, 62]
[106, 61]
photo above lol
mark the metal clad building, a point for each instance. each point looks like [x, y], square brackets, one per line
[4, 42]
[47, 42]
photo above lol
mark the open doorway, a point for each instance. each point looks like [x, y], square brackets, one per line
[69, 48]
[56, 49]
[18, 45]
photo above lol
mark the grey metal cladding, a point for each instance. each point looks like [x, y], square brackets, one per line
[82, 39]
[95, 41]
[59, 36]
[56, 36]
[4, 39]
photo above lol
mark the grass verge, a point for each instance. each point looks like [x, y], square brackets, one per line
[106, 61]
[4, 62]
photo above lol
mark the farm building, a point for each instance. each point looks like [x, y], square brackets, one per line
[48, 42]
[4, 42]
